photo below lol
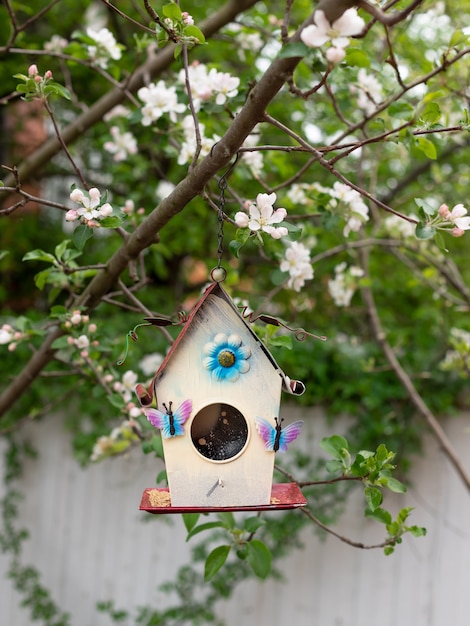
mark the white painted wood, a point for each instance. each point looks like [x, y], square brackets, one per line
[91, 543]
[247, 478]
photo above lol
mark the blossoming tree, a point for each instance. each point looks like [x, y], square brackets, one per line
[319, 154]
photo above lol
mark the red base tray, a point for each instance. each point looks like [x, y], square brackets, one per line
[283, 496]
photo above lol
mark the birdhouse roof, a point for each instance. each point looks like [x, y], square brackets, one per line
[294, 387]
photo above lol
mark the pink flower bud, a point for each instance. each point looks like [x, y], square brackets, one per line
[48, 75]
[77, 195]
[38, 79]
[32, 70]
[457, 232]
[17, 335]
[12, 347]
[71, 341]
[335, 55]
[84, 354]
[92, 328]
[444, 211]
[71, 215]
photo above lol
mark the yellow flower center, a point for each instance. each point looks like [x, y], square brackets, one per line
[226, 358]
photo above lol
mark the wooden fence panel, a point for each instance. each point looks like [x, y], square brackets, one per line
[91, 543]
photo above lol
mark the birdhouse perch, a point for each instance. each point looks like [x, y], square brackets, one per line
[218, 393]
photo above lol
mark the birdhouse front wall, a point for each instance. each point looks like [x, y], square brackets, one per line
[221, 459]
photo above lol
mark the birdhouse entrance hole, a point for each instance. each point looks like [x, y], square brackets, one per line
[219, 432]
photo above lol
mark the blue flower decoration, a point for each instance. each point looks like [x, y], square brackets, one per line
[226, 357]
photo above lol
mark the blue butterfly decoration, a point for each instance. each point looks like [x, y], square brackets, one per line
[275, 437]
[170, 423]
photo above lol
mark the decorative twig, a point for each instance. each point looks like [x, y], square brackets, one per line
[350, 542]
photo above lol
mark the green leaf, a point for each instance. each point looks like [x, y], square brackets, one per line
[380, 515]
[41, 278]
[227, 519]
[259, 557]
[431, 114]
[373, 497]
[60, 343]
[425, 206]
[61, 248]
[194, 31]
[332, 467]
[214, 562]
[418, 531]
[113, 221]
[357, 57]
[457, 37]
[401, 110]
[251, 524]
[162, 477]
[293, 50]
[190, 520]
[172, 11]
[395, 485]
[388, 550]
[427, 147]
[39, 255]
[81, 235]
[335, 445]
[424, 231]
[439, 239]
[199, 529]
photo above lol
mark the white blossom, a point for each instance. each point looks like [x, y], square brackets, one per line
[122, 145]
[342, 287]
[458, 216]
[297, 262]
[225, 85]
[368, 90]
[5, 335]
[262, 216]
[106, 47]
[150, 363]
[159, 99]
[338, 33]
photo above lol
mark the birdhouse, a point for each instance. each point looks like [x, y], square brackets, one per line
[218, 396]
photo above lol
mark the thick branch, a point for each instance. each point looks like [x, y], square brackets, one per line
[153, 67]
[251, 113]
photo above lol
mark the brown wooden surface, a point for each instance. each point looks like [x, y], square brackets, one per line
[283, 496]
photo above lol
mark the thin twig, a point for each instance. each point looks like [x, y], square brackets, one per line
[406, 381]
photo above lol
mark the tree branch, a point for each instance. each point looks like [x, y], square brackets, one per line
[193, 185]
[407, 383]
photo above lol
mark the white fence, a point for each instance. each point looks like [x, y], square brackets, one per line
[90, 543]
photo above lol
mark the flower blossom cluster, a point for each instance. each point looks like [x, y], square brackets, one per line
[205, 84]
[189, 145]
[456, 219]
[337, 33]
[358, 212]
[344, 284]
[368, 90]
[398, 227]
[262, 216]
[159, 99]
[122, 145]
[9, 336]
[297, 262]
[105, 47]
[91, 210]
[458, 359]
[117, 441]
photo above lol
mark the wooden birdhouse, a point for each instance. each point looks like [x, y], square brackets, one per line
[218, 393]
